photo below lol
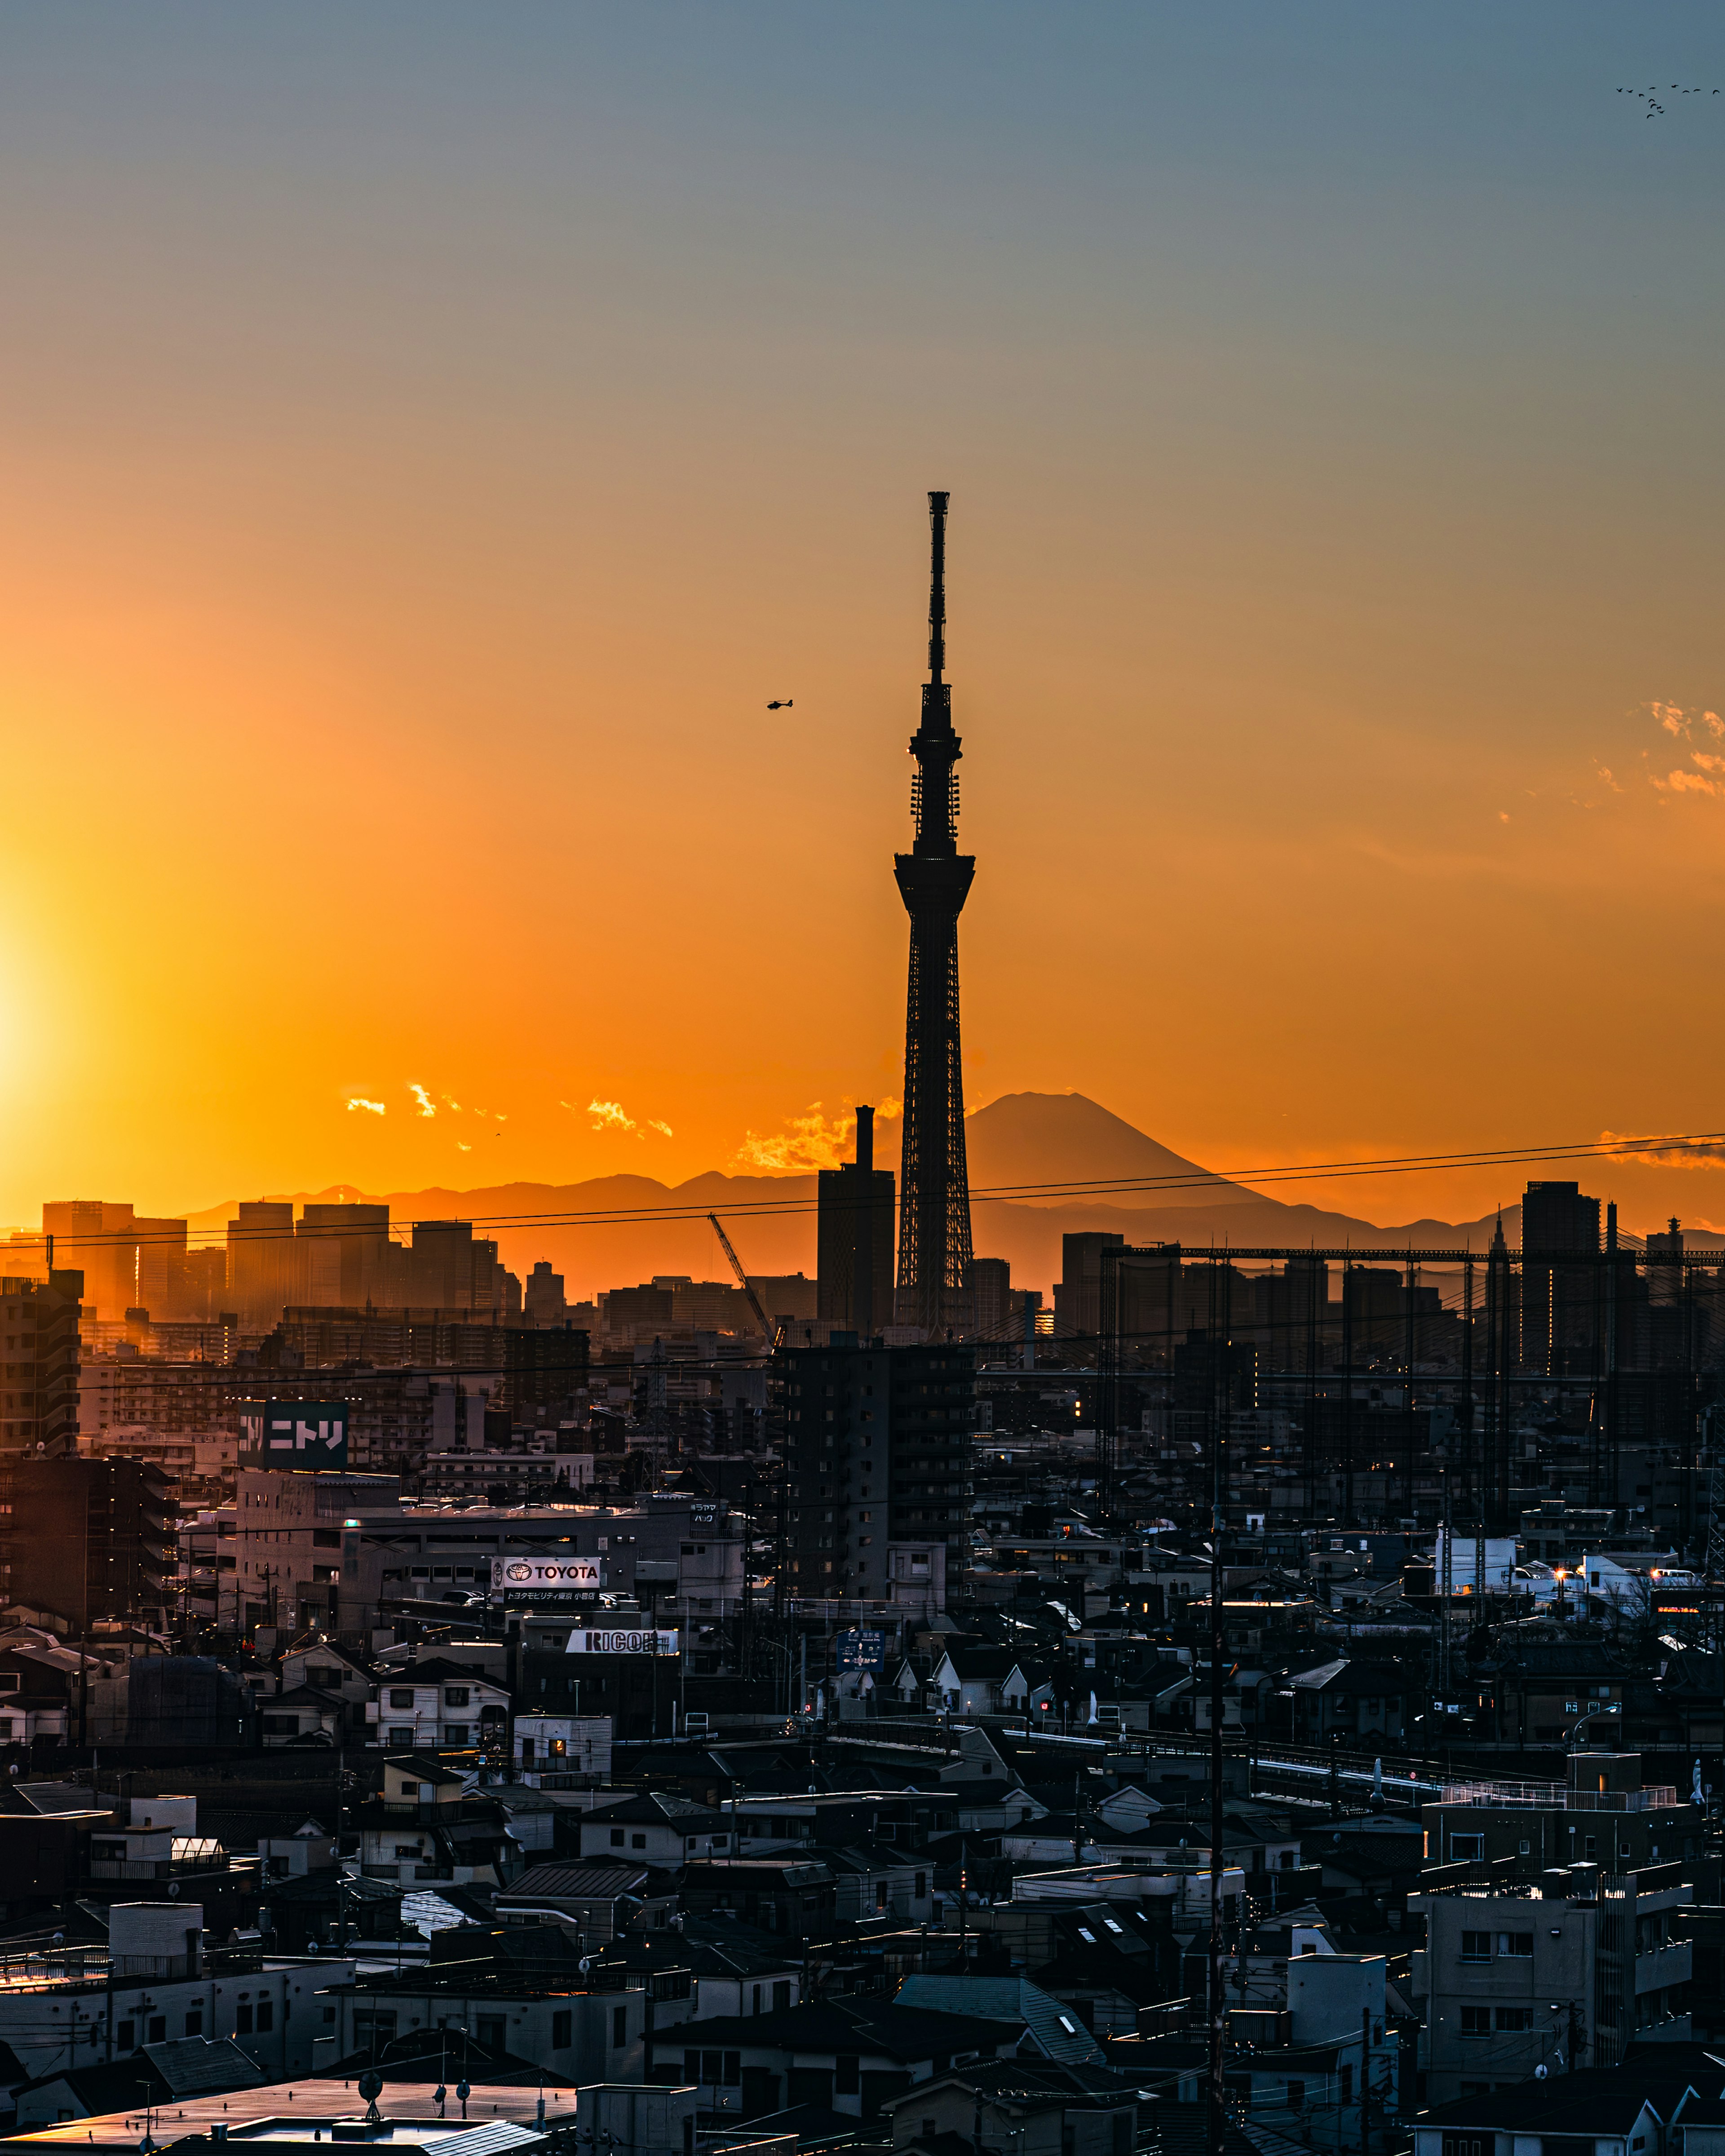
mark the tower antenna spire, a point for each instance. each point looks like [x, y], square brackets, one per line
[936, 586]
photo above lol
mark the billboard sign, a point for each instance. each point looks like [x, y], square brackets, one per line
[539, 1581]
[619, 1641]
[298, 1433]
[862, 1650]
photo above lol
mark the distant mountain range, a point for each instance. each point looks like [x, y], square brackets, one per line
[1018, 1145]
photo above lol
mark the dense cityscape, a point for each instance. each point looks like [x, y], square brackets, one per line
[1263, 1698]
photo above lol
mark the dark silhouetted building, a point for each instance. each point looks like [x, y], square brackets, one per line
[1078, 1292]
[934, 880]
[877, 1440]
[988, 1291]
[543, 1299]
[1560, 1303]
[82, 1539]
[38, 1363]
[854, 1241]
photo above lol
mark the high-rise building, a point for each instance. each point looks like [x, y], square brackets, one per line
[100, 1240]
[351, 1252]
[988, 1291]
[82, 1539]
[542, 1298]
[1560, 1303]
[38, 1363]
[877, 1442]
[853, 1239]
[934, 880]
[1078, 1292]
[261, 1280]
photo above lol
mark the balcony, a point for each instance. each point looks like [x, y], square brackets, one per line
[1663, 1967]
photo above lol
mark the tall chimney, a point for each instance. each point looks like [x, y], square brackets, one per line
[866, 1139]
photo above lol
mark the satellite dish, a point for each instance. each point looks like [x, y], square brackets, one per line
[174, 1892]
[370, 2085]
[463, 2090]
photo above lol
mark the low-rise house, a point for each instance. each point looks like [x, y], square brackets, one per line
[438, 1706]
[162, 2074]
[852, 2056]
[595, 1901]
[1605, 2112]
[300, 1717]
[1038, 2106]
[1364, 1700]
[793, 1896]
[422, 1827]
[154, 1985]
[653, 1828]
[336, 1673]
[519, 1990]
[578, 1746]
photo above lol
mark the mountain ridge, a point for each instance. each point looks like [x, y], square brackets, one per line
[1019, 1140]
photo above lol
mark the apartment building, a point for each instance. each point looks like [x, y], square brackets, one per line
[1565, 1972]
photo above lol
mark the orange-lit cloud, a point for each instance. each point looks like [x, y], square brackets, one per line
[1710, 1154]
[808, 1142]
[371, 1107]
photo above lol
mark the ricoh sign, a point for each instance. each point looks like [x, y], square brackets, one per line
[621, 1640]
[546, 1579]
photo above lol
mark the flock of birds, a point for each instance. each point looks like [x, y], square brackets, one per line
[1656, 110]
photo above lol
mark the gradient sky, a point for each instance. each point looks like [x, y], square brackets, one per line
[429, 435]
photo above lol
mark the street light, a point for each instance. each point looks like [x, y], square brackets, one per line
[1592, 1713]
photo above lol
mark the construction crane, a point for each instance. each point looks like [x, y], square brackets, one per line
[768, 1332]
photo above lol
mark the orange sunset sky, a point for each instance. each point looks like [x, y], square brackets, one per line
[431, 434]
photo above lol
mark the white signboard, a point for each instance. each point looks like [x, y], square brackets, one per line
[620, 1642]
[512, 1576]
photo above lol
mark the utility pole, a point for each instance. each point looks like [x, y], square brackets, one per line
[1217, 2116]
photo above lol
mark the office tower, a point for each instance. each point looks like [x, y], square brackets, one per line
[988, 1293]
[1559, 1303]
[878, 1441]
[260, 1259]
[853, 1241]
[38, 1363]
[542, 1298]
[100, 1240]
[450, 1268]
[1078, 1292]
[934, 880]
[353, 1261]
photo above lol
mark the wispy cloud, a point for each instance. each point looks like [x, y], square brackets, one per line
[613, 1115]
[1681, 1152]
[427, 1106]
[610, 1115]
[371, 1107]
[1690, 726]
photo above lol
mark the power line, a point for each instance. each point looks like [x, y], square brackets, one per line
[1695, 1144]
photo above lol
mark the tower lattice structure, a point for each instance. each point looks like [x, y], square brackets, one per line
[934, 880]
